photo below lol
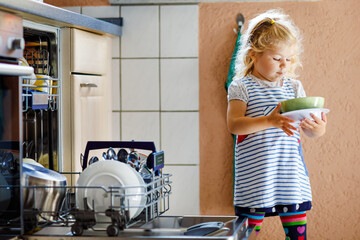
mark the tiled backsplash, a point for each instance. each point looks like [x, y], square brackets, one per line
[179, 84]
[179, 31]
[141, 36]
[140, 86]
[156, 89]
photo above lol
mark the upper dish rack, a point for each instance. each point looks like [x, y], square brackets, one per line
[37, 55]
[41, 90]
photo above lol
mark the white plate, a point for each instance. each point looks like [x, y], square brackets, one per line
[298, 115]
[110, 173]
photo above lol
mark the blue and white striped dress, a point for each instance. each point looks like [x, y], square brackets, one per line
[269, 167]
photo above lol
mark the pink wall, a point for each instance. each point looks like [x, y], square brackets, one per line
[331, 31]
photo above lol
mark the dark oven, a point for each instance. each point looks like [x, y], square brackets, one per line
[11, 51]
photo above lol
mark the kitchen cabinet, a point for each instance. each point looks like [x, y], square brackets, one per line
[89, 52]
[86, 93]
[89, 114]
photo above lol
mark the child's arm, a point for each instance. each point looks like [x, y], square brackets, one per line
[238, 124]
[315, 128]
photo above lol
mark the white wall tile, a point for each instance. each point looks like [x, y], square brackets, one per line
[115, 87]
[73, 9]
[179, 31]
[179, 84]
[140, 36]
[140, 84]
[184, 197]
[115, 47]
[180, 137]
[141, 117]
[102, 11]
[116, 126]
[141, 126]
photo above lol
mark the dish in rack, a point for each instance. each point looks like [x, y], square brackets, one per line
[105, 183]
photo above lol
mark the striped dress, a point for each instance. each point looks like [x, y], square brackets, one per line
[269, 167]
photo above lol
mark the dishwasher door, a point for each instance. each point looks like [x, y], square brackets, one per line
[163, 227]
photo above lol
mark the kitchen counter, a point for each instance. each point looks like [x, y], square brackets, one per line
[51, 15]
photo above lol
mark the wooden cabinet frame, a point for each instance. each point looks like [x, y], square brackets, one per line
[86, 93]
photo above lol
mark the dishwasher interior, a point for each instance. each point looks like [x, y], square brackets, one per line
[106, 210]
[41, 96]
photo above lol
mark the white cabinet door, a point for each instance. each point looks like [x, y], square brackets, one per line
[91, 113]
[89, 52]
[86, 110]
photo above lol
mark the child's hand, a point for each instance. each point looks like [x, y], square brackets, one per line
[280, 121]
[314, 128]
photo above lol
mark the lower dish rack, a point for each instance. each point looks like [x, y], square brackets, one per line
[115, 218]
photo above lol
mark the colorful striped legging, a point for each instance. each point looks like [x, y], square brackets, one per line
[294, 223]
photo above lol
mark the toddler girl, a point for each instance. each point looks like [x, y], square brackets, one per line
[270, 174]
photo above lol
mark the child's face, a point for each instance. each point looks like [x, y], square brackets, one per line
[273, 64]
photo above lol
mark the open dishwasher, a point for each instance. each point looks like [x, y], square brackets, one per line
[97, 210]
[163, 227]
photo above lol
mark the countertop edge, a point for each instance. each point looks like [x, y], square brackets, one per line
[51, 15]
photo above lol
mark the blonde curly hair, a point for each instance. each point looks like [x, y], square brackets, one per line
[267, 31]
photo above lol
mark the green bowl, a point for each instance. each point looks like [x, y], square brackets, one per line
[302, 103]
